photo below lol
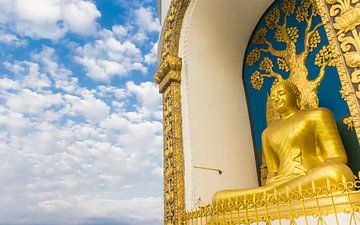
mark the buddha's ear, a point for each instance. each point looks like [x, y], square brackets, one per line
[298, 102]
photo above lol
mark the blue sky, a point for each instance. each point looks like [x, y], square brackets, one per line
[80, 115]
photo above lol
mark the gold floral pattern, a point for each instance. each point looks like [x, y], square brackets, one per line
[349, 123]
[302, 13]
[288, 7]
[293, 33]
[348, 20]
[342, 25]
[259, 37]
[325, 57]
[278, 35]
[314, 41]
[273, 18]
[256, 80]
[266, 65]
[253, 57]
[282, 65]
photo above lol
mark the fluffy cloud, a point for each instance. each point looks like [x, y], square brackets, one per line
[110, 56]
[80, 17]
[50, 19]
[117, 52]
[28, 101]
[75, 155]
[151, 57]
[12, 39]
[150, 106]
[146, 20]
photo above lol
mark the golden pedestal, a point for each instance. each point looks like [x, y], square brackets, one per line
[335, 204]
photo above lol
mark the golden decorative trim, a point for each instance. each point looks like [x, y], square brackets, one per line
[173, 156]
[168, 76]
[315, 203]
[172, 28]
[169, 70]
[341, 19]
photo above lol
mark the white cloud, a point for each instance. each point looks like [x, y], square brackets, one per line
[148, 97]
[93, 109]
[81, 152]
[151, 57]
[110, 56]
[31, 76]
[119, 30]
[27, 101]
[6, 84]
[80, 17]
[12, 39]
[61, 76]
[146, 20]
[13, 123]
[50, 19]
[146, 23]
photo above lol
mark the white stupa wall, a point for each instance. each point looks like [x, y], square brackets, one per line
[216, 127]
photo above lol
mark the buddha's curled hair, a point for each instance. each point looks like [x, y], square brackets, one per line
[289, 84]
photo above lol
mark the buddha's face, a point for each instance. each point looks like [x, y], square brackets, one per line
[282, 98]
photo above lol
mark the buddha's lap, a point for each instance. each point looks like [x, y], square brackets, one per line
[321, 175]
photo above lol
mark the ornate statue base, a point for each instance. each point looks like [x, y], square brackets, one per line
[320, 176]
[331, 204]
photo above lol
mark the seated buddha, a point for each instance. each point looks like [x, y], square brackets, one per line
[303, 148]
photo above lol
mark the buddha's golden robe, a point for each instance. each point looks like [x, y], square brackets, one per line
[304, 149]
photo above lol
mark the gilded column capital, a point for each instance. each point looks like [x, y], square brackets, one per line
[169, 71]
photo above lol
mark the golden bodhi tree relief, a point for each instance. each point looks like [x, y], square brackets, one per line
[290, 59]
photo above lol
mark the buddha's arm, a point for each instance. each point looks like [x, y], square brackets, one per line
[328, 139]
[271, 158]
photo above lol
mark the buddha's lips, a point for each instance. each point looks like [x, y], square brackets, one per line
[278, 103]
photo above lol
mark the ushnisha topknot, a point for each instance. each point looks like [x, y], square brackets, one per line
[289, 84]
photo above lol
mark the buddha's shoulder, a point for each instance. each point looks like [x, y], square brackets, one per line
[317, 113]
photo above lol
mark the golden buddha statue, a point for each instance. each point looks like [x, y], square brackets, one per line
[303, 148]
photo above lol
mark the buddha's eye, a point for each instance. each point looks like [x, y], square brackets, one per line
[281, 92]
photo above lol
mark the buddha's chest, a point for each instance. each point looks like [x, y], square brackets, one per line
[291, 136]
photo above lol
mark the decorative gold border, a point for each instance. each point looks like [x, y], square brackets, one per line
[168, 76]
[313, 202]
[348, 91]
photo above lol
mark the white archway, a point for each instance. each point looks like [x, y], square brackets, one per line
[216, 127]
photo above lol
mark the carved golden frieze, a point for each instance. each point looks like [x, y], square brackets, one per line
[172, 27]
[168, 71]
[342, 20]
[168, 76]
[173, 156]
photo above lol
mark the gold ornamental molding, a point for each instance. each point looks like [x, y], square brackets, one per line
[172, 28]
[168, 72]
[168, 76]
[342, 20]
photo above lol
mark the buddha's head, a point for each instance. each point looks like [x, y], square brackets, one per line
[284, 96]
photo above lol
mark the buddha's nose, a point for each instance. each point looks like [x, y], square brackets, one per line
[275, 98]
